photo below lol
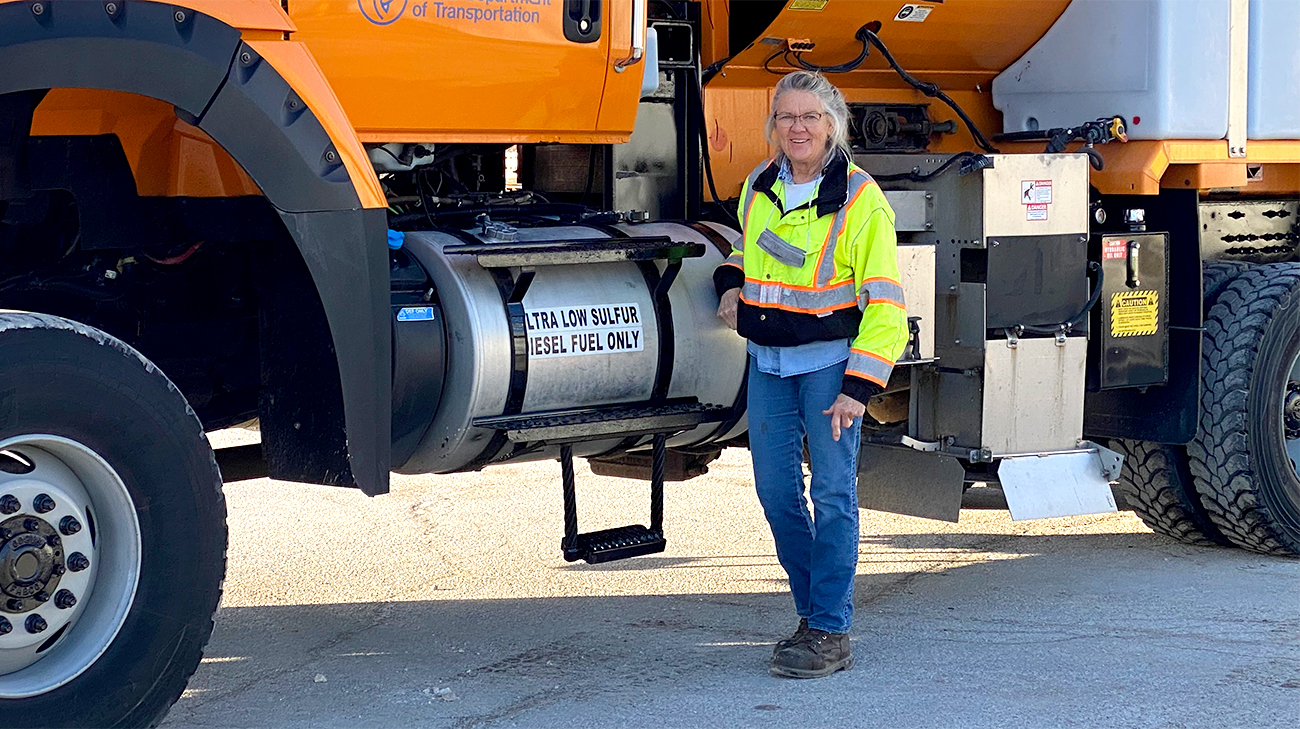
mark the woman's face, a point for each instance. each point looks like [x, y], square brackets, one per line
[802, 127]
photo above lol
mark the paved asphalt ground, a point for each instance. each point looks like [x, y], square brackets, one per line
[447, 604]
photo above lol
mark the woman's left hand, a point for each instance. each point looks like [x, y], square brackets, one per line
[843, 413]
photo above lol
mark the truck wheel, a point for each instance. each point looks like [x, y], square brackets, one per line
[1157, 482]
[1215, 277]
[112, 530]
[1246, 456]
[1157, 485]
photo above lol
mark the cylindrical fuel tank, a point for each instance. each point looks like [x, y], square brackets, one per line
[591, 336]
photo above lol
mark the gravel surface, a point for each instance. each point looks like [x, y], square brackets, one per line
[446, 604]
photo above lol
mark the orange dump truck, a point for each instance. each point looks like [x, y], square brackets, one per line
[430, 236]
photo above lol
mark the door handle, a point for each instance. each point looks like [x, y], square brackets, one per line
[638, 37]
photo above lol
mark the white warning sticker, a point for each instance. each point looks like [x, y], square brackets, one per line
[571, 331]
[914, 13]
[1036, 212]
[1035, 191]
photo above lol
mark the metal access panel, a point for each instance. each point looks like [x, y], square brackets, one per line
[1033, 395]
[1037, 195]
[1133, 344]
[916, 268]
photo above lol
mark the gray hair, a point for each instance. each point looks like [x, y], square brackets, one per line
[831, 99]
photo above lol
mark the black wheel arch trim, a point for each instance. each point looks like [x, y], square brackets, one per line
[215, 81]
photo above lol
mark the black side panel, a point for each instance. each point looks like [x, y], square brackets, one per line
[1164, 414]
[141, 50]
[96, 172]
[15, 124]
[347, 257]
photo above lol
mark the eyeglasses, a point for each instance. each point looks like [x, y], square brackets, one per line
[788, 120]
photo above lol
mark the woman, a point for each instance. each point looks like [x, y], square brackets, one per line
[814, 287]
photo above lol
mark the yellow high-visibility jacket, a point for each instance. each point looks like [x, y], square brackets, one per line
[825, 270]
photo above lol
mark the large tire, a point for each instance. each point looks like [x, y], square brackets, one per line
[1156, 482]
[1157, 485]
[1239, 459]
[84, 416]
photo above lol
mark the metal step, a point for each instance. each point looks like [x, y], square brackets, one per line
[571, 426]
[565, 252]
[608, 545]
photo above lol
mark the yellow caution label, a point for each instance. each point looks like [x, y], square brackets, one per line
[808, 5]
[1134, 313]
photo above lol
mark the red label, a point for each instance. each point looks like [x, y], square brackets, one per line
[1114, 249]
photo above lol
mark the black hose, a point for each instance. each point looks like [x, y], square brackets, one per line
[702, 126]
[929, 89]
[1077, 319]
[970, 161]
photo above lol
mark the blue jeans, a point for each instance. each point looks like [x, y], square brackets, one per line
[820, 551]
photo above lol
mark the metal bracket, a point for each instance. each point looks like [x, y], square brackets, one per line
[1111, 462]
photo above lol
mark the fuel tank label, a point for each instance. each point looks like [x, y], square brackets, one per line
[572, 331]
[1134, 313]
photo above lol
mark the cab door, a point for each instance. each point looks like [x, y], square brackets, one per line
[462, 70]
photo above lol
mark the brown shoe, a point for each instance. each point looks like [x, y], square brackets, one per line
[787, 642]
[816, 655]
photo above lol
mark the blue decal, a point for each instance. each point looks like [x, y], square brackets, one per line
[381, 12]
[415, 313]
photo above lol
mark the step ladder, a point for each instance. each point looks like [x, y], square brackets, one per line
[567, 427]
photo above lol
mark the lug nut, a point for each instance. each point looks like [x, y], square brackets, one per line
[9, 504]
[36, 624]
[64, 599]
[69, 525]
[43, 503]
[6, 627]
[13, 605]
[31, 525]
[77, 562]
[5, 534]
[42, 596]
[53, 540]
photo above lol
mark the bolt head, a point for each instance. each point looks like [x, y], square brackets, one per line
[38, 8]
[77, 562]
[31, 525]
[53, 540]
[13, 604]
[179, 16]
[43, 504]
[42, 596]
[58, 570]
[9, 504]
[64, 599]
[331, 157]
[6, 627]
[110, 8]
[36, 624]
[245, 58]
[69, 525]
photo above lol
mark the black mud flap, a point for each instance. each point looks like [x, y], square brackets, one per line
[900, 480]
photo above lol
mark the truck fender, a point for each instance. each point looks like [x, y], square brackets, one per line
[319, 183]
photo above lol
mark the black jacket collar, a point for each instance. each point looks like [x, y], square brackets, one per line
[832, 194]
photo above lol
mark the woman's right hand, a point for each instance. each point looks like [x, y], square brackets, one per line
[727, 307]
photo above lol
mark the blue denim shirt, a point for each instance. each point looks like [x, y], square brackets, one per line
[805, 358]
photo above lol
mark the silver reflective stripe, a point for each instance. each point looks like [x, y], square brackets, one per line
[826, 271]
[873, 368]
[774, 294]
[782, 250]
[737, 258]
[878, 291]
